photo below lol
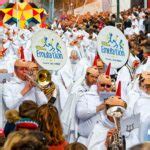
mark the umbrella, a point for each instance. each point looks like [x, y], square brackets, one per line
[23, 13]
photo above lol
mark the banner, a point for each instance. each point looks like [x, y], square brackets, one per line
[49, 50]
[113, 47]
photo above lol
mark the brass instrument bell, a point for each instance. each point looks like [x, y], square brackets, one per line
[43, 78]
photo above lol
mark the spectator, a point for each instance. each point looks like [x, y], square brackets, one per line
[75, 146]
[12, 116]
[27, 112]
[13, 138]
[50, 124]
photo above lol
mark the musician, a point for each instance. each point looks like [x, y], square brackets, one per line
[102, 134]
[90, 105]
[33, 69]
[20, 88]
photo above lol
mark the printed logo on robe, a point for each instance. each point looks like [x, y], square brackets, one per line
[113, 47]
[49, 50]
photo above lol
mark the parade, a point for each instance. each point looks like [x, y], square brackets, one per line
[77, 80]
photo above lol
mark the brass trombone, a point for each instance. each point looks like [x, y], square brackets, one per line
[42, 80]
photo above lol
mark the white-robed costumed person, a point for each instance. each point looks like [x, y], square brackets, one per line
[145, 65]
[126, 74]
[135, 24]
[89, 105]
[141, 21]
[71, 73]
[143, 101]
[25, 43]
[134, 88]
[68, 116]
[9, 49]
[19, 88]
[102, 134]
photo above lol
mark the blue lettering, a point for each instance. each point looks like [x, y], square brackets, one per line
[112, 51]
[49, 55]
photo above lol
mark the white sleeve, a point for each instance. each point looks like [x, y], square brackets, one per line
[132, 98]
[11, 97]
[40, 97]
[83, 111]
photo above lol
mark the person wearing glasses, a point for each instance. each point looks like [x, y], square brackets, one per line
[89, 106]
[103, 134]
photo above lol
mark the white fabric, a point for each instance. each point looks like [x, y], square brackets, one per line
[125, 75]
[71, 73]
[144, 67]
[12, 96]
[141, 25]
[97, 138]
[10, 57]
[133, 93]
[145, 130]
[135, 26]
[142, 106]
[128, 31]
[62, 94]
[2, 108]
[86, 113]
[68, 116]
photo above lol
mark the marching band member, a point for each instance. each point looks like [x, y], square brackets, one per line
[20, 89]
[89, 106]
[102, 134]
